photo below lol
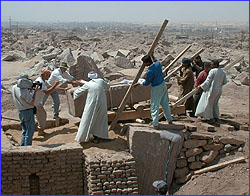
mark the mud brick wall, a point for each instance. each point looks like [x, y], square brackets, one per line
[112, 174]
[41, 170]
[201, 149]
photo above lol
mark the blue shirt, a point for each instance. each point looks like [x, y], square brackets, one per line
[154, 75]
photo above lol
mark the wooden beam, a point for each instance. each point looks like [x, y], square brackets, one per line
[134, 114]
[183, 99]
[124, 101]
[208, 169]
[176, 59]
[219, 166]
[179, 67]
[233, 63]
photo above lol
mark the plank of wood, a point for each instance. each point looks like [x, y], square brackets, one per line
[233, 63]
[176, 110]
[175, 126]
[139, 107]
[124, 101]
[176, 59]
[145, 113]
[183, 99]
[190, 127]
[219, 166]
[179, 67]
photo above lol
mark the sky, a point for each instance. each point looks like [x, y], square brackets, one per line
[125, 11]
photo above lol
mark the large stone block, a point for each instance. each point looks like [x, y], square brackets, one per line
[150, 153]
[114, 97]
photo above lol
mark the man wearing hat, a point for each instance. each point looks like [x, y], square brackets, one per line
[186, 81]
[62, 75]
[24, 99]
[41, 113]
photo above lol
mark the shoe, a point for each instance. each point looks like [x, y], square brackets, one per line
[41, 133]
[57, 117]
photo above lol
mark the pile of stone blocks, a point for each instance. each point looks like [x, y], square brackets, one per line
[201, 149]
[111, 174]
[114, 96]
[57, 169]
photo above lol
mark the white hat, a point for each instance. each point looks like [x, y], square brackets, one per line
[92, 75]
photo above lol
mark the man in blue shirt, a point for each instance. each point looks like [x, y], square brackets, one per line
[159, 92]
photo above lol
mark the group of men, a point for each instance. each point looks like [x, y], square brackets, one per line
[29, 98]
[209, 81]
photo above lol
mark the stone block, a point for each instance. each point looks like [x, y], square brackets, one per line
[150, 152]
[196, 165]
[213, 146]
[227, 127]
[209, 156]
[201, 136]
[231, 140]
[190, 127]
[181, 163]
[181, 172]
[193, 152]
[194, 143]
[191, 159]
[114, 97]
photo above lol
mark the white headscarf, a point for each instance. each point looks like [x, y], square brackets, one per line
[92, 75]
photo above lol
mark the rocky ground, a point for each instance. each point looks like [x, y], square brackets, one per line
[116, 51]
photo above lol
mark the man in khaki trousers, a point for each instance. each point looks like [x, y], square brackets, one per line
[41, 113]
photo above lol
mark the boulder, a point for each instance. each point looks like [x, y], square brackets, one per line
[123, 62]
[113, 76]
[231, 140]
[193, 152]
[245, 80]
[209, 156]
[97, 57]
[67, 57]
[194, 143]
[84, 64]
[124, 52]
[196, 165]
[181, 172]
[190, 159]
[181, 163]
[213, 146]
[229, 147]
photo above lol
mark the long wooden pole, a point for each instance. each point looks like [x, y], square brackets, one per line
[218, 166]
[179, 67]
[233, 63]
[124, 101]
[213, 167]
[176, 58]
[189, 94]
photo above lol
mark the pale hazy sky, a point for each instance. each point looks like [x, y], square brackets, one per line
[125, 11]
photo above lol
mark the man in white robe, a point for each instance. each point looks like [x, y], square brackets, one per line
[208, 106]
[95, 117]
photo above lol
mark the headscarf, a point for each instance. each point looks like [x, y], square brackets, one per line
[92, 75]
